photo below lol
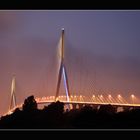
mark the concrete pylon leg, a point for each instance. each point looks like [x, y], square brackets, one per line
[58, 83]
[13, 97]
[73, 106]
[62, 71]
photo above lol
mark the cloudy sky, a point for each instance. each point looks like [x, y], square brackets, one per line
[101, 52]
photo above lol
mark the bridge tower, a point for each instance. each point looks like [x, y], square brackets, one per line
[62, 71]
[13, 97]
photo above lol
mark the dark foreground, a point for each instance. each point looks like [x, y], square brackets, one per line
[54, 116]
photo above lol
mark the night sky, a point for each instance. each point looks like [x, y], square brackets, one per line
[101, 52]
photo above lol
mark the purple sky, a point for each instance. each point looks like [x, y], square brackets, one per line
[102, 52]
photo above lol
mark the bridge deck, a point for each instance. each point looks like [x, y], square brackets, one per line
[48, 101]
[91, 103]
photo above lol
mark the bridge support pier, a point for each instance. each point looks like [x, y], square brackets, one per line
[95, 106]
[126, 108]
[74, 106]
[136, 107]
[80, 106]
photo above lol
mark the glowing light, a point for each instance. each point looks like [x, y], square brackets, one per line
[120, 99]
[43, 98]
[101, 96]
[51, 97]
[37, 99]
[119, 96]
[93, 96]
[132, 95]
[109, 96]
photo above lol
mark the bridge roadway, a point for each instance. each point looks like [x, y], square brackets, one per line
[79, 103]
[92, 103]
[84, 103]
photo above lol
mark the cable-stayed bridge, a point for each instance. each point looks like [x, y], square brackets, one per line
[71, 100]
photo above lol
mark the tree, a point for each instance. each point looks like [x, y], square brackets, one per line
[55, 107]
[29, 104]
[107, 109]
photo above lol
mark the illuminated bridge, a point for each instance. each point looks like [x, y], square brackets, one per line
[71, 100]
[80, 101]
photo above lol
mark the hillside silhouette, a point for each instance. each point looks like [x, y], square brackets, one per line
[55, 116]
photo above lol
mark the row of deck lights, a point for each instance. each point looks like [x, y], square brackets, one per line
[132, 96]
[82, 97]
[119, 96]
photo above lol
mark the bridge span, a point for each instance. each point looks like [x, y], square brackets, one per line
[80, 101]
[74, 100]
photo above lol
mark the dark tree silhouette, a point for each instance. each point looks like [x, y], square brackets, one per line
[107, 109]
[54, 116]
[29, 104]
[56, 108]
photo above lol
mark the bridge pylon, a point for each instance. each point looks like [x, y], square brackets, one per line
[62, 71]
[13, 96]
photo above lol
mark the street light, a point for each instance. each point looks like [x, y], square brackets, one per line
[80, 97]
[119, 96]
[133, 96]
[71, 96]
[101, 96]
[109, 96]
[93, 96]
